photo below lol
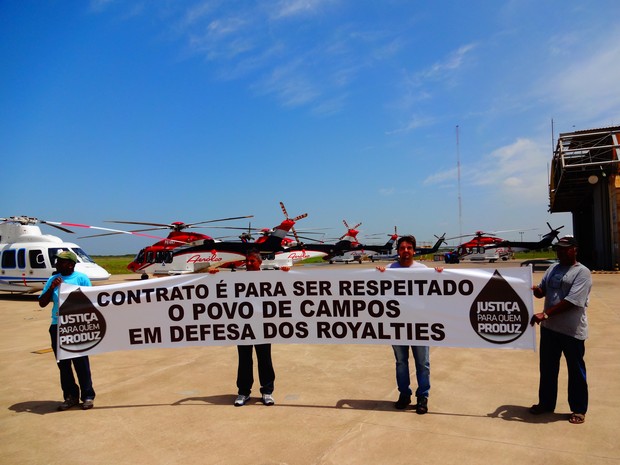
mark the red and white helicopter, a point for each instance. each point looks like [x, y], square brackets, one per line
[386, 251]
[297, 251]
[347, 248]
[157, 258]
[487, 246]
[29, 256]
[200, 256]
[287, 256]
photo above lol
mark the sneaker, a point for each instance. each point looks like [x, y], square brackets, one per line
[241, 400]
[422, 406]
[538, 409]
[68, 403]
[268, 399]
[88, 404]
[403, 401]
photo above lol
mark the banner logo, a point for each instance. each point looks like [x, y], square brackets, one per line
[80, 325]
[498, 314]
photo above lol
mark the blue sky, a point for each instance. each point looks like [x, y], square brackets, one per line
[164, 111]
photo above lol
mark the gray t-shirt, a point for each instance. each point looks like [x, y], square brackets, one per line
[573, 284]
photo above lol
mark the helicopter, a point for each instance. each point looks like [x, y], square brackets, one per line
[200, 256]
[393, 255]
[347, 248]
[29, 256]
[487, 246]
[156, 257]
[289, 253]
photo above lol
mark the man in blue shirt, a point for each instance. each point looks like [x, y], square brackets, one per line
[65, 273]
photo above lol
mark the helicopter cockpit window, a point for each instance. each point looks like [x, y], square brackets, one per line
[36, 258]
[149, 257]
[83, 255]
[8, 259]
[53, 251]
[163, 256]
[21, 258]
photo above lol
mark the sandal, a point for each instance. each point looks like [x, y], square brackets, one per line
[577, 418]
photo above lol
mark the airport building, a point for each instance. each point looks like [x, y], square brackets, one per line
[585, 181]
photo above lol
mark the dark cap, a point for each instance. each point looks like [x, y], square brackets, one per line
[567, 241]
[67, 255]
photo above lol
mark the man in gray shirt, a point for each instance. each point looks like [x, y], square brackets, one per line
[563, 330]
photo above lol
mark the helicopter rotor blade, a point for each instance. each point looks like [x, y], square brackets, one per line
[116, 231]
[283, 208]
[178, 226]
[57, 226]
[27, 220]
[189, 225]
[312, 239]
[143, 223]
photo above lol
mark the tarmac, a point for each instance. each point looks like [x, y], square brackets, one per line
[334, 403]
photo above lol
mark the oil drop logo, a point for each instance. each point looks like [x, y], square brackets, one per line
[498, 314]
[80, 325]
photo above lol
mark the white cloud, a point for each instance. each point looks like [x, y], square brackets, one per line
[445, 68]
[387, 191]
[293, 8]
[442, 177]
[100, 5]
[198, 12]
[290, 85]
[514, 172]
[225, 27]
[414, 123]
[587, 84]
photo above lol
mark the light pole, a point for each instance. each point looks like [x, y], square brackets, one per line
[521, 234]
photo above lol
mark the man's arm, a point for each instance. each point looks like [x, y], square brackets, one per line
[561, 307]
[47, 296]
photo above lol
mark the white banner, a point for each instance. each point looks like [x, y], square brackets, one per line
[480, 308]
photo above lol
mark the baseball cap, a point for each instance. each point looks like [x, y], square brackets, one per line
[566, 241]
[67, 255]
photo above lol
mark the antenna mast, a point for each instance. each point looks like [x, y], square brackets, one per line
[458, 171]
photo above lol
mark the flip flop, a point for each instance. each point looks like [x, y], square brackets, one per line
[577, 418]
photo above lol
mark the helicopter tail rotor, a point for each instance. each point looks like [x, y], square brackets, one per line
[349, 229]
[297, 218]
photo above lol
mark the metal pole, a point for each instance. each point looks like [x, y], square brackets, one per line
[458, 169]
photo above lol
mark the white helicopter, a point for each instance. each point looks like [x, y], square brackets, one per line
[28, 256]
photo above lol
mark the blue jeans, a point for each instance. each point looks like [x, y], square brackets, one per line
[421, 356]
[552, 346]
[67, 380]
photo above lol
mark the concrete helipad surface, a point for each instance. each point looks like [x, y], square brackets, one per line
[334, 404]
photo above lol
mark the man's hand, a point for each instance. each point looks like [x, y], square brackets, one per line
[537, 318]
[538, 292]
